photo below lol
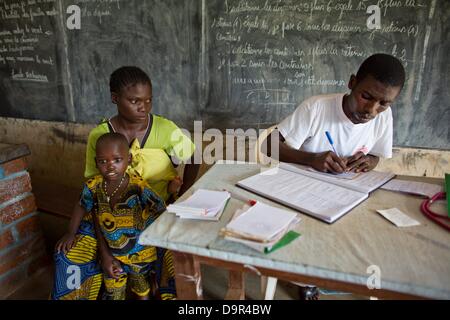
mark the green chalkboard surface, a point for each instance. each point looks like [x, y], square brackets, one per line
[231, 63]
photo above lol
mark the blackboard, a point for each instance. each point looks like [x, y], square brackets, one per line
[230, 63]
[31, 76]
[161, 37]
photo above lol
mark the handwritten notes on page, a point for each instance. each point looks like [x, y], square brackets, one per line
[362, 182]
[325, 201]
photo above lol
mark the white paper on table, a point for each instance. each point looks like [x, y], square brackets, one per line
[202, 202]
[325, 201]
[262, 221]
[413, 187]
[398, 218]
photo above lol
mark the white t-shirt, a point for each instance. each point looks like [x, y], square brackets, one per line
[305, 129]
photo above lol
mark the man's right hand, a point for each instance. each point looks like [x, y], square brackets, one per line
[328, 161]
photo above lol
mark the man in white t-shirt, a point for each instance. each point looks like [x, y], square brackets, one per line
[359, 123]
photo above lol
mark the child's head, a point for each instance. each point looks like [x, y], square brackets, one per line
[131, 91]
[375, 87]
[112, 156]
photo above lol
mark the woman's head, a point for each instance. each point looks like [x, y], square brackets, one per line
[127, 76]
[131, 91]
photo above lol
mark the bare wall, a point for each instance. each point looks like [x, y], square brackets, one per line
[58, 152]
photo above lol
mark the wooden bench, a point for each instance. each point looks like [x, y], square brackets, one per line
[55, 199]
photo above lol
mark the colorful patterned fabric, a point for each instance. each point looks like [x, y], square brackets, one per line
[141, 278]
[78, 276]
[137, 208]
[121, 226]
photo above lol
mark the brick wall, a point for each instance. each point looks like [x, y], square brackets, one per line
[22, 247]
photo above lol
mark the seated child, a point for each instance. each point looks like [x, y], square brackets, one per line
[122, 206]
[66, 242]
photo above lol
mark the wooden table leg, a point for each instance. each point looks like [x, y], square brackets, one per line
[268, 287]
[187, 276]
[236, 285]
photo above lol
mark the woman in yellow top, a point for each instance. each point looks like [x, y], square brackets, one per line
[153, 140]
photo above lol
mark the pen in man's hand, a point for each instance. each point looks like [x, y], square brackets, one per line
[330, 140]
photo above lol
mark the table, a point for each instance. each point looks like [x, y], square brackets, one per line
[413, 262]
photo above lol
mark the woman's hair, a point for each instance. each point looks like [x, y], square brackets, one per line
[384, 68]
[126, 76]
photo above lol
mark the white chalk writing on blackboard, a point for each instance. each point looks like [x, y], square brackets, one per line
[279, 61]
[27, 39]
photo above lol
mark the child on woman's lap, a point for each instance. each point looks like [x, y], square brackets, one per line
[122, 206]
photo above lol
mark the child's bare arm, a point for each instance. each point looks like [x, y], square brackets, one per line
[66, 242]
[77, 216]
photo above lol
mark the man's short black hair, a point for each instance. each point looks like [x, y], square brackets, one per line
[126, 76]
[384, 68]
[112, 137]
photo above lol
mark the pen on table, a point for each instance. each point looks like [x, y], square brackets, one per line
[330, 140]
[242, 198]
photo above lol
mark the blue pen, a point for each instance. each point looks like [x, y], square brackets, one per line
[331, 142]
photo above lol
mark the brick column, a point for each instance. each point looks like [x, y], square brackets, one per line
[22, 247]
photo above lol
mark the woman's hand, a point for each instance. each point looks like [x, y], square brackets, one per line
[360, 162]
[174, 185]
[65, 243]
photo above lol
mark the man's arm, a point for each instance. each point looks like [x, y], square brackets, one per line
[322, 161]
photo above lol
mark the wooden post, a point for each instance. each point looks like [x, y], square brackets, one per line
[187, 276]
[236, 285]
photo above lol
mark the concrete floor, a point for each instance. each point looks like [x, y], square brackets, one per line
[38, 287]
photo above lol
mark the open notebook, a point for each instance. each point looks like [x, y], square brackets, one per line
[325, 197]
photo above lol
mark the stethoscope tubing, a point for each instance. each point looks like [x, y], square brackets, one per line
[425, 208]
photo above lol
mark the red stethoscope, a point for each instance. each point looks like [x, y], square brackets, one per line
[437, 218]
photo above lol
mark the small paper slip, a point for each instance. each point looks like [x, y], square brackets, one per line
[398, 218]
[203, 205]
[261, 222]
[413, 187]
